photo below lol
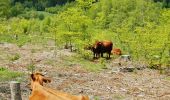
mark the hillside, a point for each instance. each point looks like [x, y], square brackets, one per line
[72, 74]
[50, 36]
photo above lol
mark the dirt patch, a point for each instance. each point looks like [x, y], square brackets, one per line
[108, 84]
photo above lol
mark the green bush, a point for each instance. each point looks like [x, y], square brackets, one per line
[53, 10]
[17, 9]
[41, 16]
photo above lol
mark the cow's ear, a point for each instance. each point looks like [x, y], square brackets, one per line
[32, 77]
[46, 80]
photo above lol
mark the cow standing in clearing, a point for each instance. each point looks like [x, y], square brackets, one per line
[101, 47]
[96, 49]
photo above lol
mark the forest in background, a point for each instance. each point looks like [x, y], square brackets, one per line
[139, 27]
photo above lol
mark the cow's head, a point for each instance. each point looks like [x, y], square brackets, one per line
[97, 45]
[38, 78]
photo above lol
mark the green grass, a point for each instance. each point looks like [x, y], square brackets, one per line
[14, 57]
[96, 98]
[6, 74]
[22, 39]
[167, 78]
[31, 67]
[86, 64]
[118, 97]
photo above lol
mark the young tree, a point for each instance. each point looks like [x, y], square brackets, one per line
[16, 28]
[5, 8]
[85, 4]
[17, 9]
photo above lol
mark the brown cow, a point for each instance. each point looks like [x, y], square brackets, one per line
[101, 47]
[39, 92]
[117, 51]
[93, 48]
[96, 49]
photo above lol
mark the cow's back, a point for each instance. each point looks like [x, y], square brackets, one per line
[107, 46]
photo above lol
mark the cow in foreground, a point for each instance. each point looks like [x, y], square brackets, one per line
[101, 47]
[39, 92]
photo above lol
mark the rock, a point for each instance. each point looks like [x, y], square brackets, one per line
[125, 58]
[115, 70]
[127, 69]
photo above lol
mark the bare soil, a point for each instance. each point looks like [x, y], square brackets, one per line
[108, 84]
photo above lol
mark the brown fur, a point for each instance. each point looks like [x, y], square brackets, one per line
[39, 92]
[101, 47]
[117, 51]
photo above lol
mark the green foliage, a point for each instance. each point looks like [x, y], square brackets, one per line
[41, 16]
[139, 27]
[4, 8]
[17, 9]
[71, 17]
[166, 3]
[40, 5]
[85, 4]
[53, 10]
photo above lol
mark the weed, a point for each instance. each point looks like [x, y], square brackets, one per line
[31, 67]
[102, 62]
[14, 57]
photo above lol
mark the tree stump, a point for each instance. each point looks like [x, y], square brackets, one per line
[15, 90]
[125, 58]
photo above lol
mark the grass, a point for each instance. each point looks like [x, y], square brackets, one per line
[6, 74]
[14, 57]
[118, 97]
[96, 98]
[23, 39]
[86, 64]
[167, 78]
[31, 67]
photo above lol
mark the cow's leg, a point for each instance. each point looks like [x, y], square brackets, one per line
[109, 54]
[94, 55]
[101, 54]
